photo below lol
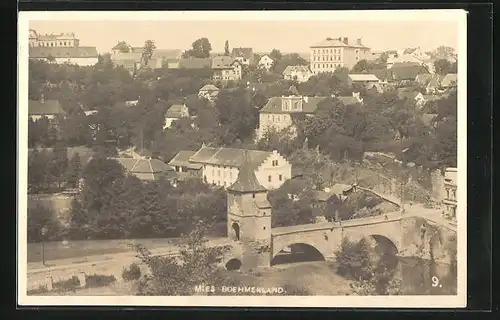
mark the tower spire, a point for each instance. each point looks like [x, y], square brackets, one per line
[247, 181]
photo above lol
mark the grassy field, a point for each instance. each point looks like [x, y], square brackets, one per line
[318, 278]
[83, 248]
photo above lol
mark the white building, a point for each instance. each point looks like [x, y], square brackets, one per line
[297, 73]
[450, 196]
[62, 49]
[266, 62]
[175, 112]
[220, 166]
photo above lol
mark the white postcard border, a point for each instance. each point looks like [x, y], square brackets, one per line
[252, 301]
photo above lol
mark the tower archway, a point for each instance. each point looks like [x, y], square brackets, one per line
[236, 231]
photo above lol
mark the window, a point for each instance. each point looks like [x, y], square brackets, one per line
[218, 173]
[253, 195]
[269, 178]
[177, 168]
[264, 228]
[281, 177]
[230, 175]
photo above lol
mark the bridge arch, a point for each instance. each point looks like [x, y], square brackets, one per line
[384, 244]
[233, 264]
[297, 252]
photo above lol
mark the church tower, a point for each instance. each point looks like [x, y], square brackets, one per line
[249, 216]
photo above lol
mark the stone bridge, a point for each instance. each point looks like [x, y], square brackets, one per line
[327, 237]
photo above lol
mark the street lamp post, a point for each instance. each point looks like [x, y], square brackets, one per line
[43, 232]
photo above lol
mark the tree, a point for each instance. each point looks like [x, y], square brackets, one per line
[41, 217]
[276, 55]
[443, 67]
[197, 265]
[39, 178]
[237, 117]
[292, 204]
[147, 51]
[74, 170]
[361, 66]
[59, 163]
[99, 176]
[200, 49]
[291, 59]
[226, 48]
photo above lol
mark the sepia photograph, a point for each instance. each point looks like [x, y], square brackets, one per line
[244, 158]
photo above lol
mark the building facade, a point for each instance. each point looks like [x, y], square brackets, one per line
[61, 48]
[62, 40]
[450, 194]
[279, 112]
[175, 112]
[297, 73]
[333, 53]
[226, 69]
[266, 62]
[220, 166]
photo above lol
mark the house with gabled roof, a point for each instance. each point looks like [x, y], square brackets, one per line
[362, 78]
[226, 68]
[280, 112]
[407, 71]
[145, 169]
[44, 108]
[220, 166]
[81, 56]
[175, 112]
[183, 168]
[266, 62]
[350, 100]
[209, 92]
[299, 73]
[244, 55]
[449, 80]
[410, 94]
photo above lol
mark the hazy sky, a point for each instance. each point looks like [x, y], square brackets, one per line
[262, 36]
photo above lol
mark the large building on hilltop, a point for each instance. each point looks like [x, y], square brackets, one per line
[61, 48]
[220, 166]
[333, 53]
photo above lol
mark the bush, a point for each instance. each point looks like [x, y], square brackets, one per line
[97, 280]
[133, 272]
[353, 259]
[67, 285]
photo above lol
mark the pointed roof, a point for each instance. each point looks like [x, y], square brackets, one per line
[247, 181]
[293, 90]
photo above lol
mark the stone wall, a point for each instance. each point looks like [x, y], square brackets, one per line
[425, 240]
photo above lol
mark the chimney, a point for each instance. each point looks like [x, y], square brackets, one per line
[42, 98]
[356, 95]
[345, 40]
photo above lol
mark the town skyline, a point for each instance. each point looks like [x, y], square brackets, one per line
[377, 35]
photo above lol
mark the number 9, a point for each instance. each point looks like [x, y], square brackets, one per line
[435, 281]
